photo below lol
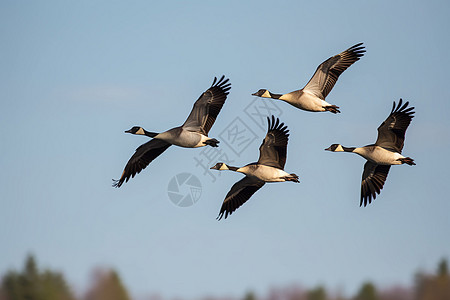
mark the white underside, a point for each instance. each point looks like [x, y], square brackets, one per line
[380, 156]
[186, 139]
[307, 101]
[265, 173]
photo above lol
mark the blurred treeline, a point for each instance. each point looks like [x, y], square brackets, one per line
[31, 283]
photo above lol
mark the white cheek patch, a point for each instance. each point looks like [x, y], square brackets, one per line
[223, 167]
[339, 148]
[140, 131]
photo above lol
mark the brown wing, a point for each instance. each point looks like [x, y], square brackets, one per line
[207, 107]
[391, 133]
[273, 149]
[240, 192]
[143, 156]
[328, 72]
[373, 179]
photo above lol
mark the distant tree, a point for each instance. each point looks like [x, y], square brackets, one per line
[107, 285]
[54, 286]
[11, 288]
[443, 268]
[249, 296]
[31, 284]
[318, 293]
[367, 292]
[397, 293]
[434, 287]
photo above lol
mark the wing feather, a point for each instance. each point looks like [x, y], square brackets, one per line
[273, 150]
[143, 156]
[207, 107]
[373, 179]
[391, 133]
[240, 192]
[328, 72]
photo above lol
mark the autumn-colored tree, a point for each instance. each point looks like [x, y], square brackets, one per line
[107, 286]
[434, 287]
[397, 293]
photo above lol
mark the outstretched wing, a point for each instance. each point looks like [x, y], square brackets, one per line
[328, 72]
[143, 156]
[208, 106]
[273, 149]
[391, 133]
[240, 192]
[373, 179]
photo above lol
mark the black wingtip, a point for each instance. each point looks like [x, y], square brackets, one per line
[358, 50]
[275, 124]
[403, 108]
[223, 83]
[116, 183]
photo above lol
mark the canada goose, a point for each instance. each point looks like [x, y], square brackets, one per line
[312, 96]
[385, 152]
[192, 134]
[268, 168]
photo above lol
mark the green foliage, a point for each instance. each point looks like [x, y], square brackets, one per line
[31, 284]
[249, 296]
[443, 268]
[367, 292]
[318, 293]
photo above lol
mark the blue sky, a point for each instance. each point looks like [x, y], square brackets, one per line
[74, 76]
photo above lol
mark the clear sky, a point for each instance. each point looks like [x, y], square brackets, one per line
[75, 75]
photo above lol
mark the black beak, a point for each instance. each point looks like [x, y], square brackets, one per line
[255, 94]
[128, 131]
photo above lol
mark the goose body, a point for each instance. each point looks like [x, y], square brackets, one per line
[268, 168]
[192, 134]
[312, 96]
[386, 151]
[265, 173]
[185, 138]
[306, 100]
[379, 155]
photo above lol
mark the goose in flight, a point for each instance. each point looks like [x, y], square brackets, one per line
[268, 168]
[192, 134]
[312, 96]
[385, 152]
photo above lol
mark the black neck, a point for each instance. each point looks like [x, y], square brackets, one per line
[275, 96]
[150, 134]
[348, 149]
[232, 168]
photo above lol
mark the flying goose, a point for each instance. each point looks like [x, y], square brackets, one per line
[268, 168]
[385, 152]
[312, 96]
[192, 134]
